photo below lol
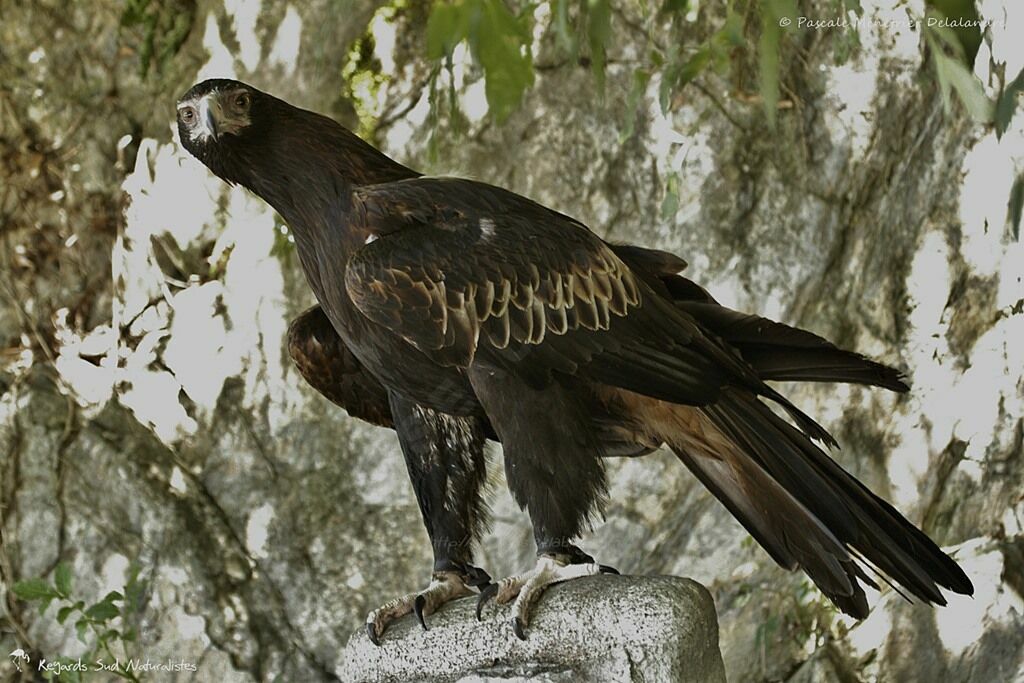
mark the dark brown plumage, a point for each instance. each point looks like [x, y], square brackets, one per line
[456, 311]
[324, 361]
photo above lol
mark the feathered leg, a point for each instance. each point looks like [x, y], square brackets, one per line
[445, 458]
[554, 470]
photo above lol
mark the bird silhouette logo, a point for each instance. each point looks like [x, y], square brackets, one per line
[19, 656]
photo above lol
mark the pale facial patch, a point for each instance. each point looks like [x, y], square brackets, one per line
[216, 114]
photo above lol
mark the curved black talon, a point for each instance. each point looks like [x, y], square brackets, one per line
[372, 633]
[486, 593]
[477, 578]
[605, 569]
[517, 628]
[417, 607]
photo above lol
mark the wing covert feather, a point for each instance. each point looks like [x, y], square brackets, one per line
[460, 270]
[450, 280]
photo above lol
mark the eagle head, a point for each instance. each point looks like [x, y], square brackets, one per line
[291, 157]
[219, 122]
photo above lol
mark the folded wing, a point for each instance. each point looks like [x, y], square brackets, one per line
[465, 271]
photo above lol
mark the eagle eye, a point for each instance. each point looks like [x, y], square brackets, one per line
[242, 101]
[188, 115]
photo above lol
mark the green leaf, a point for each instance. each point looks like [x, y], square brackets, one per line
[81, 627]
[102, 611]
[731, 33]
[445, 29]
[670, 205]
[44, 604]
[134, 590]
[1006, 104]
[716, 52]
[678, 74]
[641, 77]
[566, 38]
[34, 589]
[971, 92]
[62, 579]
[965, 28]
[768, 48]
[64, 613]
[113, 596]
[953, 70]
[693, 66]
[599, 29]
[954, 76]
[679, 6]
[1015, 206]
[501, 44]
[768, 68]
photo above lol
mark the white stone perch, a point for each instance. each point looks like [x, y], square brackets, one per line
[601, 628]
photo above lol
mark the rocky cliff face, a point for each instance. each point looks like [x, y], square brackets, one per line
[149, 417]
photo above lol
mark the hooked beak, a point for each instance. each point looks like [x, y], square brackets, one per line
[209, 108]
[217, 114]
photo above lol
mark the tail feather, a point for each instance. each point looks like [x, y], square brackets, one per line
[783, 364]
[883, 529]
[809, 512]
[792, 535]
[797, 502]
[783, 353]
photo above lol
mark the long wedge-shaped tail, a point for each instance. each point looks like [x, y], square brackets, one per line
[797, 502]
[808, 512]
[776, 351]
[783, 353]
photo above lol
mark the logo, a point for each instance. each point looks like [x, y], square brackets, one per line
[19, 656]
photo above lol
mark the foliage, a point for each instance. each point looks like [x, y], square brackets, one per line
[759, 30]
[94, 623]
[966, 29]
[499, 41]
[953, 72]
[1016, 205]
[500, 36]
[363, 79]
[599, 29]
[164, 25]
[442, 101]
[714, 53]
[1006, 103]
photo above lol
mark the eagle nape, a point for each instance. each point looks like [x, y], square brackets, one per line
[455, 312]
